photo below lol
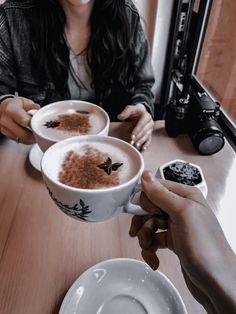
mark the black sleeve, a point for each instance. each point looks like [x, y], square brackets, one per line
[8, 82]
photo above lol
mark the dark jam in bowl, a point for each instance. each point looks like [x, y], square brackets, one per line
[182, 172]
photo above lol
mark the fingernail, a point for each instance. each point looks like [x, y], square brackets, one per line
[144, 147]
[132, 142]
[133, 136]
[148, 176]
[138, 144]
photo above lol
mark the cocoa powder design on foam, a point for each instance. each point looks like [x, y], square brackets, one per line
[82, 171]
[76, 122]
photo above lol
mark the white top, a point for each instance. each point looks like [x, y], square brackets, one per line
[79, 80]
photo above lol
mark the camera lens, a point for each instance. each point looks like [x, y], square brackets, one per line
[211, 144]
[208, 141]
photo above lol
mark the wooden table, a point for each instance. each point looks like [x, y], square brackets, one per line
[42, 251]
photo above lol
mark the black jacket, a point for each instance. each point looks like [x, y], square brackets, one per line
[16, 70]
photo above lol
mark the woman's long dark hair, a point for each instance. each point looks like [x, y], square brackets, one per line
[111, 51]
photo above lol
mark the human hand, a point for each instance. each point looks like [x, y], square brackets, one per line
[192, 232]
[143, 125]
[14, 119]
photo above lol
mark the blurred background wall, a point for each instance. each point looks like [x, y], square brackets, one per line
[157, 18]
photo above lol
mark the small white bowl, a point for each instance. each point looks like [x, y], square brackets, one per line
[202, 186]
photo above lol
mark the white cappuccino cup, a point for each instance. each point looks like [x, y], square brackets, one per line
[64, 119]
[93, 178]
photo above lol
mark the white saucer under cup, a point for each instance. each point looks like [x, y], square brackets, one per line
[120, 286]
[35, 156]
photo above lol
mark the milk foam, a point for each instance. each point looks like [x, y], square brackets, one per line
[117, 151]
[117, 154]
[97, 122]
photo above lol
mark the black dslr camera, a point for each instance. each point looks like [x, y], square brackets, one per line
[197, 116]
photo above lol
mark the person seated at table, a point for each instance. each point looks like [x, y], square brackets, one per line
[191, 231]
[93, 50]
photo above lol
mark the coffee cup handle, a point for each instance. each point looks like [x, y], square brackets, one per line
[135, 209]
[31, 112]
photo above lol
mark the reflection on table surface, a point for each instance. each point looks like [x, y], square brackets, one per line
[42, 251]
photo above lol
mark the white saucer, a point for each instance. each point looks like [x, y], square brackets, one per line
[120, 286]
[35, 156]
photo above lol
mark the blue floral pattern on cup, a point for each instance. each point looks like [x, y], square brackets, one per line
[80, 211]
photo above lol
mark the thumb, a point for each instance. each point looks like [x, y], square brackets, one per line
[22, 118]
[171, 197]
[126, 113]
